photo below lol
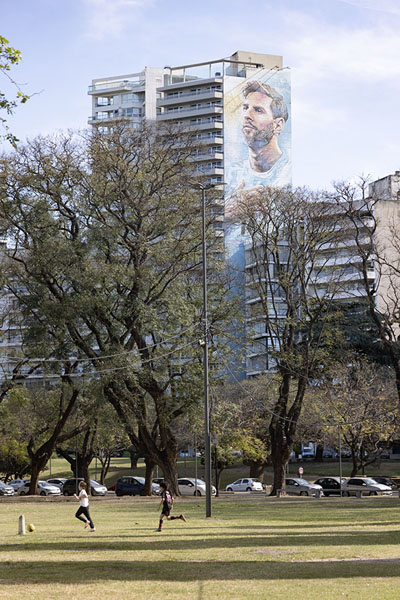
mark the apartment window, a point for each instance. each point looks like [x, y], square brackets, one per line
[104, 101]
[102, 114]
[132, 112]
[132, 97]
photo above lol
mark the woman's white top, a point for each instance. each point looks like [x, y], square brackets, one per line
[83, 498]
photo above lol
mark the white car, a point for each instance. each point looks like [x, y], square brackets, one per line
[59, 482]
[245, 485]
[302, 487]
[365, 486]
[43, 489]
[6, 490]
[188, 487]
[16, 484]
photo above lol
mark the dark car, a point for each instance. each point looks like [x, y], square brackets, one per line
[70, 487]
[330, 485]
[386, 481]
[133, 486]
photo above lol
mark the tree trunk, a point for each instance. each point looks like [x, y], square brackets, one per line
[38, 463]
[105, 465]
[148, 487]
[257, 470]
[318, 453]
[134, 456]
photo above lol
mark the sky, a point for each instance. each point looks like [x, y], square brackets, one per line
[344, 57]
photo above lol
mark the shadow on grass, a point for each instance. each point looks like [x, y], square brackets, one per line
[44, 572]
[205, 539]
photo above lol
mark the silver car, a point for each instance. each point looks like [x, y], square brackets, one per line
[59, 482]
[16, 484]
[247, 484]
[43, 489]
[365, 486]
[6, 490]
[189, 487]
[302, 487]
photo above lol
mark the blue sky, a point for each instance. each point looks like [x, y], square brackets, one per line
[344, 57]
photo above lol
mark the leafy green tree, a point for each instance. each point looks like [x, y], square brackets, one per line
[361, 400]
[14, 460]
[9, 57]
[38, 419]
[106, 246]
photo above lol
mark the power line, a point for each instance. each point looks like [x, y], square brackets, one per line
[113, 369]
[127, 352]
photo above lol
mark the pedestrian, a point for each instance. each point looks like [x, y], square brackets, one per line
[83, 509]
[167, 502]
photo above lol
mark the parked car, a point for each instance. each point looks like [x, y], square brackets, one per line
[302, 487]
[329, 453]
[188, 487]
[70, 487]
[16, 484]
[5, 489]
[330, 485]
[43, 489]
[133, 486]
[245, 485]
[386, 481]
[59, 482]
[157, 480]
[366, 486]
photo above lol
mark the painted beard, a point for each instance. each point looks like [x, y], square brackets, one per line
[256, 138]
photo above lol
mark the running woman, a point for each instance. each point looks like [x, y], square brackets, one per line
[83, 509]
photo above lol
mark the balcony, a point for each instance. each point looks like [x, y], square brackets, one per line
[206, 140]
[214, 155]
[116, 86]
[189, 97]
[194, 111]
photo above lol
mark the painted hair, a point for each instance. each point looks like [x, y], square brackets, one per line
[278, 106]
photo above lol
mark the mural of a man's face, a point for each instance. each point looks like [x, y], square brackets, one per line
[258, 123]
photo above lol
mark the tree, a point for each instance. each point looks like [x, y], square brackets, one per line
[9, 57]
[38, 419]
[296, 286]
[241, 414]
[361, 401]
[106, 245]
[374, 220]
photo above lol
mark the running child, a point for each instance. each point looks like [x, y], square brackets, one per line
[83, 509]
[167, 502]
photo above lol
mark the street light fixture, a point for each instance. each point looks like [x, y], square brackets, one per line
[207, 438]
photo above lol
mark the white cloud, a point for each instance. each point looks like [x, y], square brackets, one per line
[389, 6]
[325, 51]
[109, 18]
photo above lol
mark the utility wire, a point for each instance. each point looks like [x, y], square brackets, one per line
[127, 352]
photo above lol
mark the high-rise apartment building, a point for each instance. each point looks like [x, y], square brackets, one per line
[238, 109]
[130, 98]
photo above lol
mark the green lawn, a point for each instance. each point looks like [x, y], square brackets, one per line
[252, 547]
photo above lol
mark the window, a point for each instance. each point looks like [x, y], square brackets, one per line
[131, 97]
[132, 112]
[104, 101]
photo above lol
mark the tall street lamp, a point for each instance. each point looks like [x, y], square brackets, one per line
[207, 438]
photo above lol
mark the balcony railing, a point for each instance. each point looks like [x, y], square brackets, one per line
[116, 85]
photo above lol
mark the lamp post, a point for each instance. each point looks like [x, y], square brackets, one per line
[207, 437]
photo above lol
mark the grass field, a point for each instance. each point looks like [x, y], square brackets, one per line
[252, 547]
